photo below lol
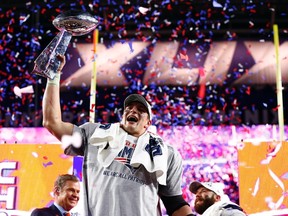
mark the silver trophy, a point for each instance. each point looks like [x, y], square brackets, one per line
[70, 23]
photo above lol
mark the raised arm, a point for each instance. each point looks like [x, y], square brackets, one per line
[52, 117]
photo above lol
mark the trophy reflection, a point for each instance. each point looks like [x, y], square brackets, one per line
[70, 23]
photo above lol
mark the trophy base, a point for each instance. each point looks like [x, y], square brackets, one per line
[47, 73]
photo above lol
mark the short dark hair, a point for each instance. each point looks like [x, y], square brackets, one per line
[62, 179]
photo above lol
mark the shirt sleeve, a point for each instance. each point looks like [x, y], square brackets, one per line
[174, 174]
[86, 130]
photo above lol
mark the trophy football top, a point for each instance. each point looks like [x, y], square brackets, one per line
[76, 22]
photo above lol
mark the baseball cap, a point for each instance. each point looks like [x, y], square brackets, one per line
[217, 188]
[138, 98]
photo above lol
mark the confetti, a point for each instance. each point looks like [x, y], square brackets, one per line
[143, 10]
[256, 187]
[26, 90]
[180, 37]
[216, 4]
[47, 164]
[35, 154]
[74, 140]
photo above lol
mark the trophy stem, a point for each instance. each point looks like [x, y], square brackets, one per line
[47, 63]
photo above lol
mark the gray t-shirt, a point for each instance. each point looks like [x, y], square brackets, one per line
[120, 189]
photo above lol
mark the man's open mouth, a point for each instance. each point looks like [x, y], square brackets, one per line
[132, 119]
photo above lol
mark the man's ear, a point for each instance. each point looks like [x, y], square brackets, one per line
[218, 197]
[148, 124]
[56, 191]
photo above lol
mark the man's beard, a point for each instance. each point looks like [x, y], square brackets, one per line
[201, 207]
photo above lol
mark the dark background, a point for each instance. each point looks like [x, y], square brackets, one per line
[26, 29]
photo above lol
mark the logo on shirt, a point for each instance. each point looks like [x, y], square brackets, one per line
[153, 147]
[125, 155]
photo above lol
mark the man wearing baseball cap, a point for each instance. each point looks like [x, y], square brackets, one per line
[140, 99]
[210, 200]
[127, 169]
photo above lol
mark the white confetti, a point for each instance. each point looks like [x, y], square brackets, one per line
[26, 90]
[35, 154]
[143, 10]
[74, 140]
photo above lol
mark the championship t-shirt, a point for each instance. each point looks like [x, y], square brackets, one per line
[121, 189]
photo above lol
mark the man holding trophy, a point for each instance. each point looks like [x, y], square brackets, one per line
[126, 169]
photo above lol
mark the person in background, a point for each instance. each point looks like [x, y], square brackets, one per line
[66, 196]
[126, 169]
[210, 200]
